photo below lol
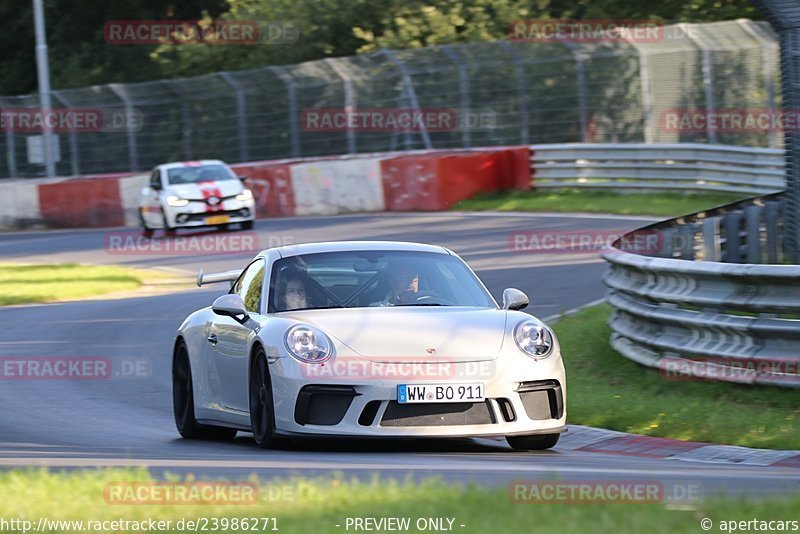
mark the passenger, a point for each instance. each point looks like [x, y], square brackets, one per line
[292, 293]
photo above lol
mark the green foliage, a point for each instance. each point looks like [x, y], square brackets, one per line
[79, 56]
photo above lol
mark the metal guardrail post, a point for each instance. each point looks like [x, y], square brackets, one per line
[241, 114]
[409, 87]
[771, 216]
[752, 215]
[711, 242]
[74, 152]
[133, 155]
[294, 117]
[463, 93]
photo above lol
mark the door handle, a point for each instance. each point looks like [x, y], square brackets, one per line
[212, 339]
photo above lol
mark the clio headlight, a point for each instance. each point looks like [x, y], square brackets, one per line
[308, 344]
[245, 196]
[176, 202]
[534, 339]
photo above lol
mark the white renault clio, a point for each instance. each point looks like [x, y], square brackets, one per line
[193, 194]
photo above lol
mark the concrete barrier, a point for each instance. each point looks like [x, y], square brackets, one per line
[426, 181]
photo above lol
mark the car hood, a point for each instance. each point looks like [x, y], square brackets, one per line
[202, 190]
[408, 334]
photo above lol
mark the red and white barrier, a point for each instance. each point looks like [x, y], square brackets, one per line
[425, 181]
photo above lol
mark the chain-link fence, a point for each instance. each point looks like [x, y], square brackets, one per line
[504, 93]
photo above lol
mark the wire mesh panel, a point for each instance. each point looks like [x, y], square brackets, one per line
[489, 93]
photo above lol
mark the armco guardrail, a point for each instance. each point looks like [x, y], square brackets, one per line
[693, 318]
[684, 166]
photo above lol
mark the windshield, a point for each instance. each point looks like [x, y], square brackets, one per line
[191, 174]
[374, 278]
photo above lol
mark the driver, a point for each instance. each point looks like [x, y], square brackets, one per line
[403, 287]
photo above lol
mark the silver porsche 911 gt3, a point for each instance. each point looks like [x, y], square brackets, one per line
[366, 339]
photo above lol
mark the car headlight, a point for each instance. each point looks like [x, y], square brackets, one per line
[176, 202]
[245, 195]
[308, 344]
[534, 339]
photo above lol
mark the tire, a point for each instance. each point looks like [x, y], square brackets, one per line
[247, 225]
[168, 230]
[223, 227]
[147, 232]
[537, 442]
[262, 407]
[183, 402]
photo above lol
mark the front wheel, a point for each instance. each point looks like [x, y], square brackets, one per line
[183, 402]
[147, 232]
[537, 442]
[262, 414]
[168, 230]
[247, 225]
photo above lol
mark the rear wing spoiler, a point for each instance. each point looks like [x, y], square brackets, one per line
[213, 278]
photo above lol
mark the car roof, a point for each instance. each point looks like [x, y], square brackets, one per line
[178, 164]
[345, 246]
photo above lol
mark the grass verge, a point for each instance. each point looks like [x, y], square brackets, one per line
[26, 284]
[577, 200]
[319, 505]
[605, 389]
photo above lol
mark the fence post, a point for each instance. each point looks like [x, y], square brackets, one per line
[522, 91]
[11, 152]
[409, 87]
[769, 60]
[294, 119]
[122, 94]
[74, 153]
[186, 119]
[463, 92]
[241, 114]
[349, 100]
[708, 76]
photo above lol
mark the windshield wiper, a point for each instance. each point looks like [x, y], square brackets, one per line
[422, 304]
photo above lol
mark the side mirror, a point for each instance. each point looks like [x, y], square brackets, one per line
[514, 299]
[243, 179]
[230, 305]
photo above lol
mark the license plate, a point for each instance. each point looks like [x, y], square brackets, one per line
[218, 219]
[418, 393]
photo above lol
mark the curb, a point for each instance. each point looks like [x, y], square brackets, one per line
[598, 440]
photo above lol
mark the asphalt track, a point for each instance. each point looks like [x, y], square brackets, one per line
[127, 420]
